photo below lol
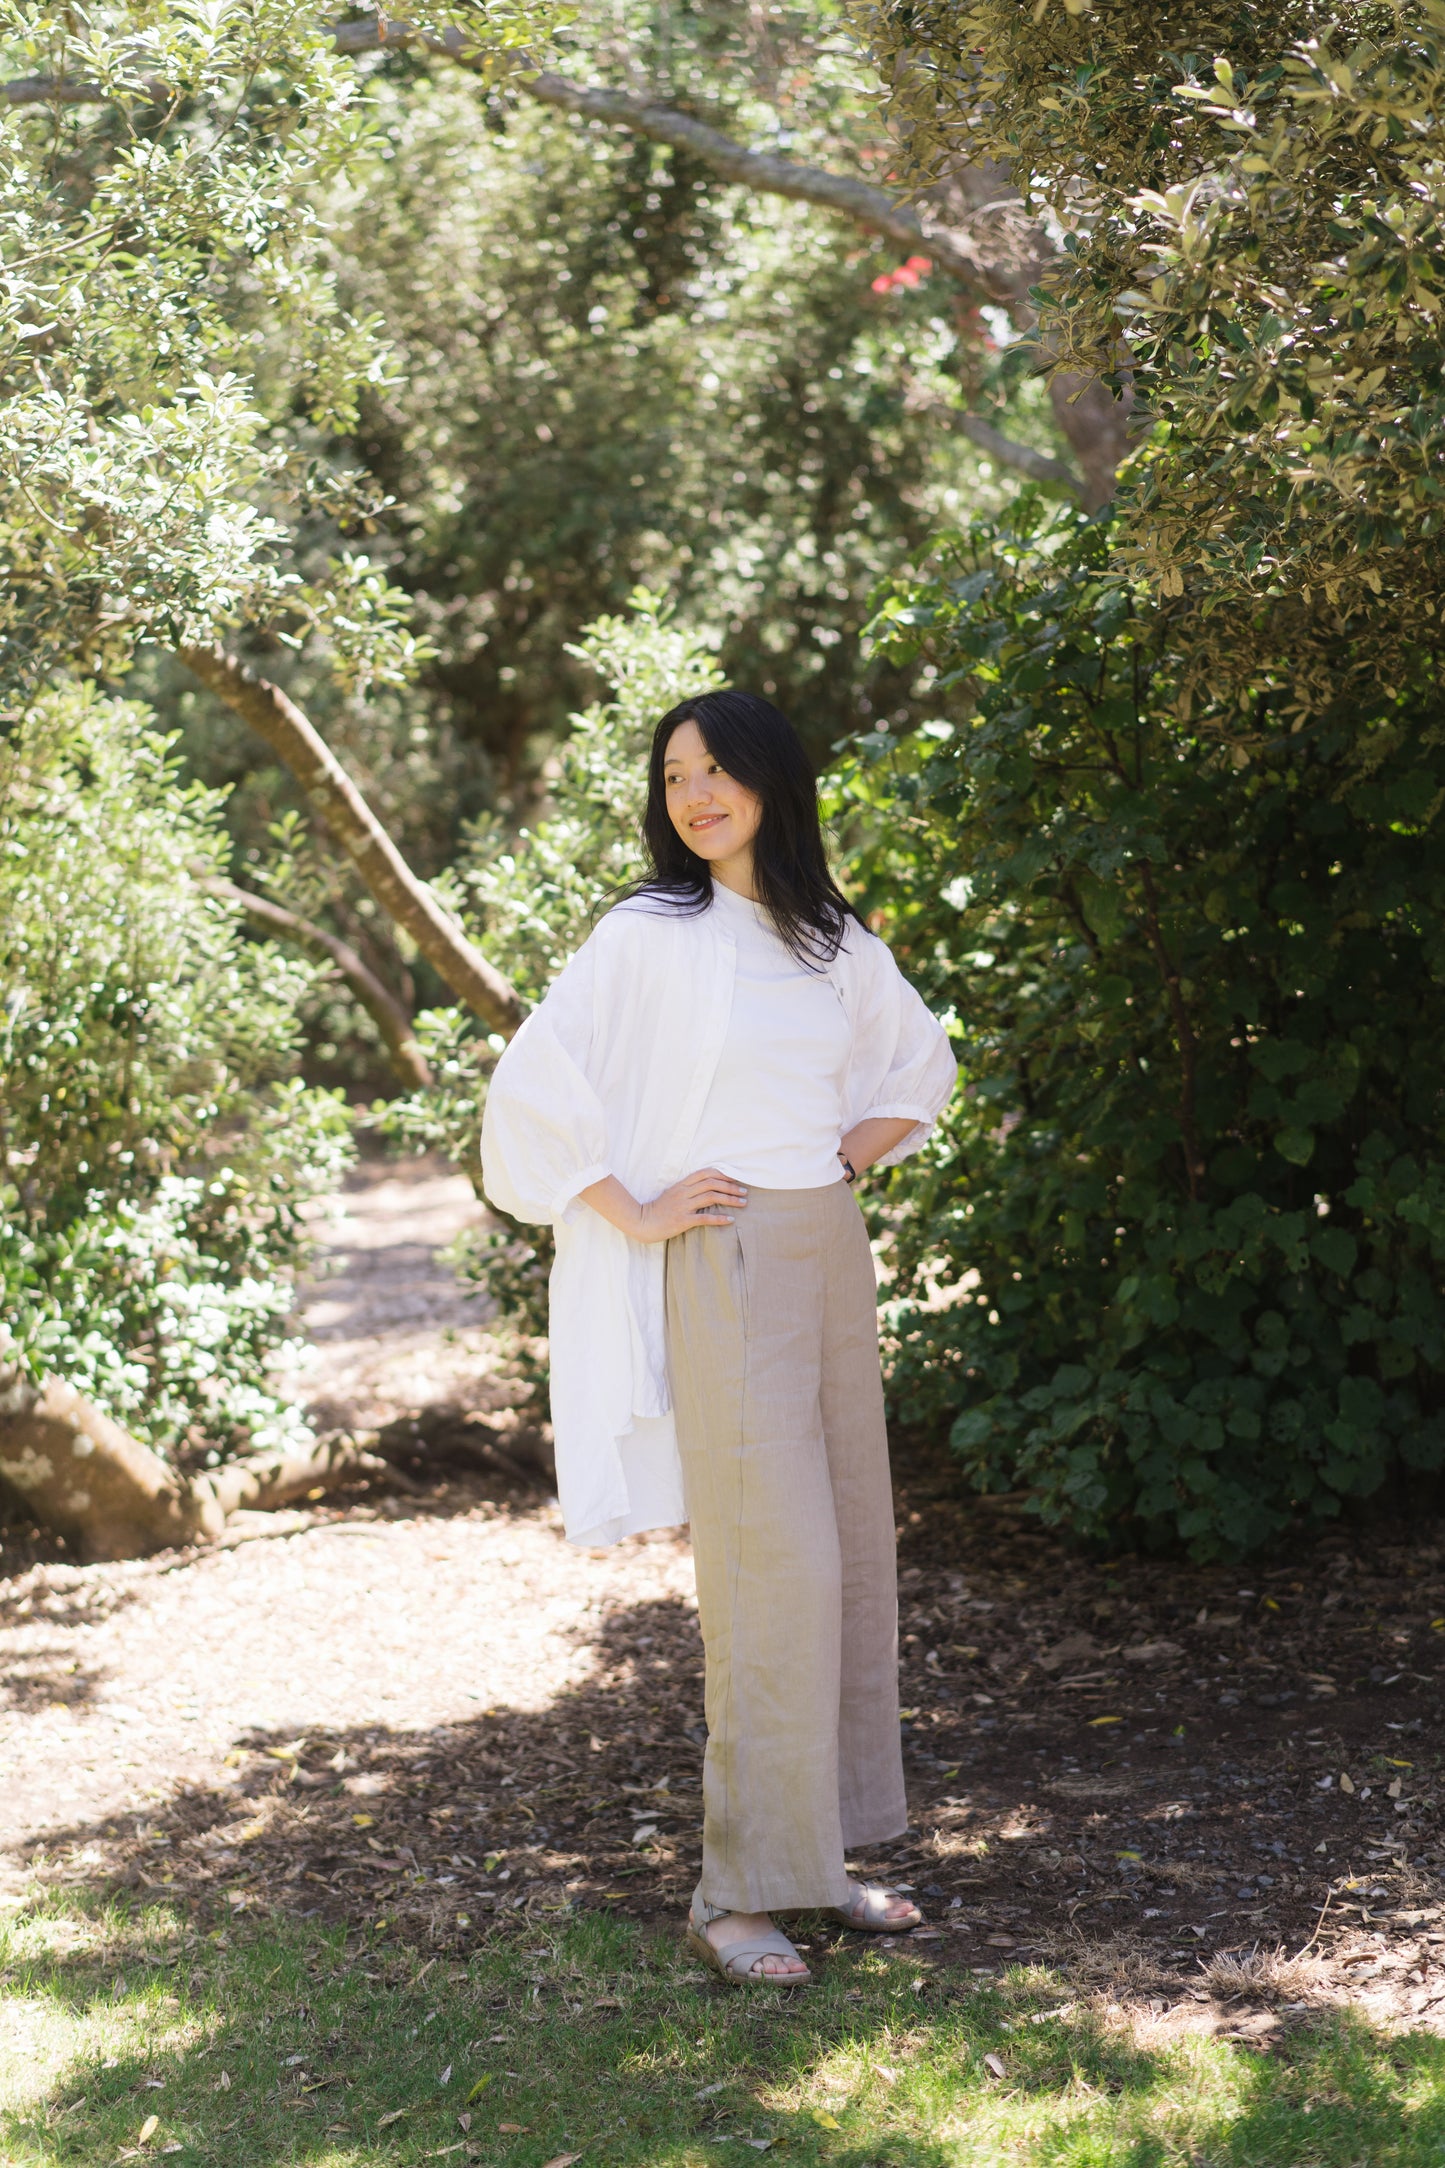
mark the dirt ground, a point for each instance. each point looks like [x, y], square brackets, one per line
[1206, 1792]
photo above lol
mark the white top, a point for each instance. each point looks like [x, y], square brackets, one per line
[774, 1114]
[611, 1075]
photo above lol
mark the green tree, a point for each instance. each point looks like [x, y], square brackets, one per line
[1171, 847]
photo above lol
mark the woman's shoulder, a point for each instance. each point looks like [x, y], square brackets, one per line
[640, 917]
[867, 951]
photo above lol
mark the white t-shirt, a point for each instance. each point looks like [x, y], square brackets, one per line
[774, 1113]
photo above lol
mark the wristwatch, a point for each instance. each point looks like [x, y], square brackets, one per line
[850, 1172]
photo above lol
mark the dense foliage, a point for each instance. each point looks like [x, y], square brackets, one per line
[1172, 849]
[157, 1152]
[1177, 1262]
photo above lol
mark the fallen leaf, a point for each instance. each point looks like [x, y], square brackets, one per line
[479, 2088]
[446, 2076]
[148, 2129]
[607, 2002]
[224, 2082]
[1393, 1788]
[464, 2122]
[393, 2115]
[1066, 1651]
[706, 2092]
[759, 2145]
[1347, 1783]
[826, 2121]
[1149, 1652]
[887, 2073]
[562, 2160]
[994, 2064]
[1096, 1721]
[175, 2146]
[363, 1821]
[515, 2130]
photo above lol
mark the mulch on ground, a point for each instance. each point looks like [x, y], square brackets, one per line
[1146, 1774]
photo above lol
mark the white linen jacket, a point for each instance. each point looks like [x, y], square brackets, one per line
[609, 1075]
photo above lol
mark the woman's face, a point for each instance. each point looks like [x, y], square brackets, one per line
[715, 816]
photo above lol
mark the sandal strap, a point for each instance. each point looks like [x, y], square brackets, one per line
[739, 1958]
[868, 1906]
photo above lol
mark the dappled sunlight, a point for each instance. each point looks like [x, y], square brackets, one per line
[269, 2040]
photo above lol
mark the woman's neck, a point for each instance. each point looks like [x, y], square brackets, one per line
[736, 874]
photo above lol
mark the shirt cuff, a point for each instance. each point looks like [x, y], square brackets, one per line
[897, 1112]
[564, 1200]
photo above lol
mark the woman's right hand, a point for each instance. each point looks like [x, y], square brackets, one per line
[704, 1199]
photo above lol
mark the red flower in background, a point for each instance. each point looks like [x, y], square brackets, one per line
[911, 273]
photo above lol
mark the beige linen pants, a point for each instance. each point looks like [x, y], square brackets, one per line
[772, 1333]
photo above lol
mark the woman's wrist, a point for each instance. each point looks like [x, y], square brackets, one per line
[617, 1206]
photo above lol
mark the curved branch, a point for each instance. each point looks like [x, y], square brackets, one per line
[1038, 466]
[380, 1004]
[405, 899]
[768, 172]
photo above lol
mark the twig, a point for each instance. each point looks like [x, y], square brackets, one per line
[1319, 1923]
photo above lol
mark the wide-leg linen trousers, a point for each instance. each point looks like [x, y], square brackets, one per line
[772, 1334]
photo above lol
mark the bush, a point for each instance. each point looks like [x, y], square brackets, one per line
[1174, 1265]
[155, 1158]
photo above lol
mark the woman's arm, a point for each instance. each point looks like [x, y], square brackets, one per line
[698, 1200]
[870, 1139]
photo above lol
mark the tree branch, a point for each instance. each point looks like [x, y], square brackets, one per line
[381, 1005]
[770, 174]
[1038, 466]
[405, 899]
[766, 171]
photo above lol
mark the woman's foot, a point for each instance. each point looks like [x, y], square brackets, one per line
[732, 1930]
[744, 1948]
[878, 1911]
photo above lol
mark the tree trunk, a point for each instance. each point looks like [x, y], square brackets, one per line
[83, 1476]
[109, 1496]
[407, 901]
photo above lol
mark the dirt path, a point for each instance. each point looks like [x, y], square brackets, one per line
[1166, 1782]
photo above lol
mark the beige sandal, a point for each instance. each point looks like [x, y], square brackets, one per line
[867, 1910]
[735, 1963]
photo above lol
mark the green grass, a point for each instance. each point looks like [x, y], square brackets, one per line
[598, 2040]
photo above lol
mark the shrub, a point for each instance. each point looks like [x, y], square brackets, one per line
[1175, 1263]
[154, 1160]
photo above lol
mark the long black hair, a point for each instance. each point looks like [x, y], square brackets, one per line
[759, 748]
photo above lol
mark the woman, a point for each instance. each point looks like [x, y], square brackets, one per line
[690, 1107]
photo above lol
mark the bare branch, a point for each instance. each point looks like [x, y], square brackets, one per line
[381, 1005]
[405, 899]
[1038, 466]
